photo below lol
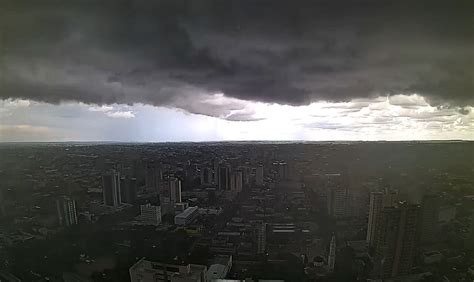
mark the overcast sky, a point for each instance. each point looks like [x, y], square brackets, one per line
[236, 70]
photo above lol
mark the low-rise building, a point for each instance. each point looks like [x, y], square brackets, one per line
[187, 216]
[220, 267]
[149, 271]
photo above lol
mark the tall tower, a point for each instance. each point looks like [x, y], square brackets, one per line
[396, 239]
[378, 200]
[224, 179]
[429, 218]
[469, 242]
[153, 176]
[282, 170]
[338, 199]
[128, 190]
[216, 172]
[259, 175]
[246, 171]
[2, 203]
[236, 182]
[67, 213]
[170, 193]
[261, 232]
[206, 176]
[111, 188]
[390, 197]
[332, 254]
[175, 190]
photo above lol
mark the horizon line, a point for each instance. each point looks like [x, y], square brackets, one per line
[245, 141]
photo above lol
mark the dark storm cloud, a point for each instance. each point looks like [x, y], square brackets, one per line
[171, 53]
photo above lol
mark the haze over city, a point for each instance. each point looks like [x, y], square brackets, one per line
[236, 141]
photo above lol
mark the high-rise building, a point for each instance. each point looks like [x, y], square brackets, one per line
[236, 182]
[216, 172]
[175, 190]
[261, 234]
[446, 214]
[232, 182]
[2, 203]
[396, 238]
[170, 191]
[469, 242]
[206, 176]
[259, 175]
[359, 200]
[170, 194]
[111, 188]
[224, 178]
[175, 187]
[390, 198]
[338, 201]
[153, 175]
[128, 190]
[246, 171]
[150, 214]
[378, 200]
[282, 169]
[429, 218]
[67, 213]
[332, 254]
[375, 208]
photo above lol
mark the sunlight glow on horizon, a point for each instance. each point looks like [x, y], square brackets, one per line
[397, 117]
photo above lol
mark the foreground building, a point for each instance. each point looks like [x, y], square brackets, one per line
[332, 254]
[378, 201]
[149, 271]
[219, 268]
[396, 240]
[429, 219]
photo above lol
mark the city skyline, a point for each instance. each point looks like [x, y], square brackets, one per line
[245, 211]
[236, 140]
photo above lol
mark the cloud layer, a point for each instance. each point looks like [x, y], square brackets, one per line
[189, 54]
[399, 117]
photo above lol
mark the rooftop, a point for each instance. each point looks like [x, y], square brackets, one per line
[187, 212]
[216, 271]
[192, 271]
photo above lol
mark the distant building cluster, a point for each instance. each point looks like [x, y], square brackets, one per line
[237, 212]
